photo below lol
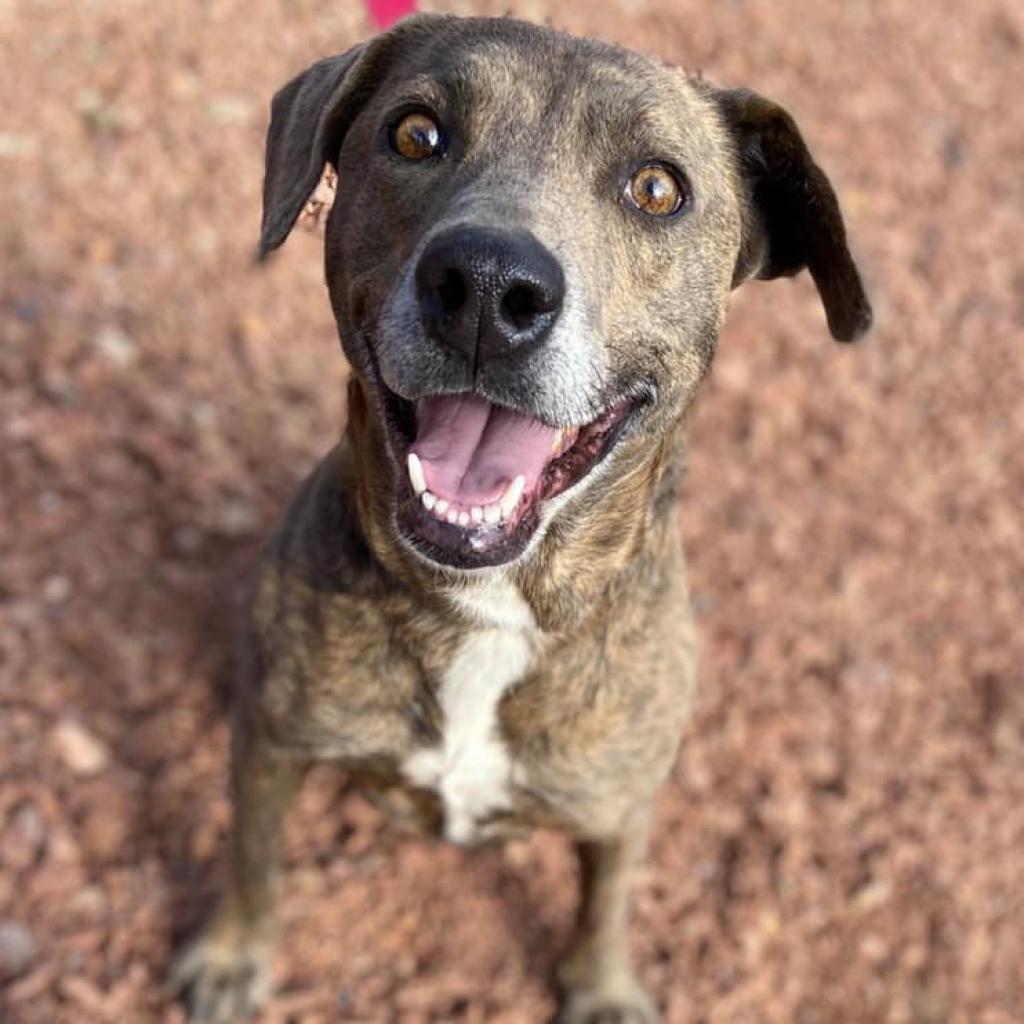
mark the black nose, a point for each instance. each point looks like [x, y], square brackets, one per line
[488, 293]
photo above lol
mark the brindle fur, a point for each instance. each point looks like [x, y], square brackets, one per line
[351, 630]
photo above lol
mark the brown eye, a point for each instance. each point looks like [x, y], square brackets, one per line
[416, 136]
[656, 190]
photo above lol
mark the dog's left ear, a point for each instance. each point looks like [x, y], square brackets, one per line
[311, 114]
[791, 215]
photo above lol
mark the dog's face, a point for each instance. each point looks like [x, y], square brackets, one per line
[531, 253]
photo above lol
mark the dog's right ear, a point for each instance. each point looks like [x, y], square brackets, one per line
[310, 116]
[307, 124]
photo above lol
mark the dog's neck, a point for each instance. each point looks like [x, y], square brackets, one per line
[589, 549]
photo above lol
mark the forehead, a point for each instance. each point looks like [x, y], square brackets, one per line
[506, 79]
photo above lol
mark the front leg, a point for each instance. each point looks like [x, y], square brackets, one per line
[596, 977]
[225, 971]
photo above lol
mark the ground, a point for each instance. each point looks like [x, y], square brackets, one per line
[843, 837]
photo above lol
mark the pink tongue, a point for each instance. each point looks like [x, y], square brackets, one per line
[472, 450]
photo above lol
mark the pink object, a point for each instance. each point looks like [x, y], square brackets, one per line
[387, 12]
[472, 450]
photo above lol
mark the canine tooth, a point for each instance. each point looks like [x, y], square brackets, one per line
[512, 496]
[441, 507]
[429, 500]
[452, 516]
[463, 519]
[556, 444]
[476, 513]
[419, 481]
[492, 514]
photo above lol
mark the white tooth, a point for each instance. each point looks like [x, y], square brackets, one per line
[452, 516]
[429, 500]
[463, 519]
[440, 508]
[556, 444]
[419, 481]
[512, 496]
[492, 514]
[476, 513]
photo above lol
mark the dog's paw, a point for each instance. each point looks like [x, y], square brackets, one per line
[221, 981]
[621, 1004]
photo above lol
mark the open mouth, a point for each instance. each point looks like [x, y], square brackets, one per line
[477, 474]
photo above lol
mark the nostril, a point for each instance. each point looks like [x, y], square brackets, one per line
[451, 292]
[442, 293]
[521, 305]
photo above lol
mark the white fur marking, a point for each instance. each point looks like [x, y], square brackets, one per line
[472, 770]
[495, 601]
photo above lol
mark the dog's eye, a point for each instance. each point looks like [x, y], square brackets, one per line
[658, 190]
[416, 136]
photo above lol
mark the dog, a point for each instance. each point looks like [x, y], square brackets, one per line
[476, 603]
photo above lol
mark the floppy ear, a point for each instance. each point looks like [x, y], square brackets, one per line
[310, 116]
[306, 129]
[791, 215]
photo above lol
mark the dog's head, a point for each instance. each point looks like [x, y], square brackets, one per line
[531, 253]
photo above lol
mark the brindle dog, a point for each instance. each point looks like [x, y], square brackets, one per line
[476, 603]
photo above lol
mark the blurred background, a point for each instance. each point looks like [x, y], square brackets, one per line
[843, 838]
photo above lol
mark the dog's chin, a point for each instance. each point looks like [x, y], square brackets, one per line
[465, 500]
[450, 546]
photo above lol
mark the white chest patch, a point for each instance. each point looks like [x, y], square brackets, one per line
[471, 770]
[494, 601]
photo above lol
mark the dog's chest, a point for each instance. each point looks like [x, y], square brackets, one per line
[471, 769]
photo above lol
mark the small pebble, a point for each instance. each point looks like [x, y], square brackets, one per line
[56, 589]
[80, 750]
[115, 345]
[237, 517]
[17, 949]
[23, 839]
[89, 903]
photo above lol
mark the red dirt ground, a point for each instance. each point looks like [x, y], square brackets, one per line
[843, 840]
